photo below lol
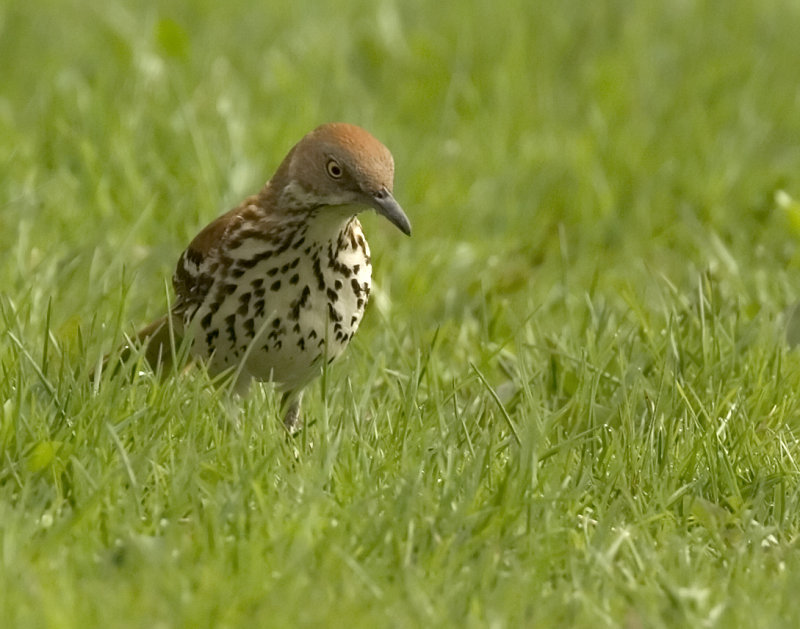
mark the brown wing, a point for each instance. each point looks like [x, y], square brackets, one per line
[194, 274]
[192, 280]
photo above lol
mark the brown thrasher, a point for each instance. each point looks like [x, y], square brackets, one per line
[279, 284]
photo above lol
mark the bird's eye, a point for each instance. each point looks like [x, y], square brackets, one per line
[333, 168]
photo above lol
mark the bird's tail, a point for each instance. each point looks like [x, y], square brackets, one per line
[160, 342]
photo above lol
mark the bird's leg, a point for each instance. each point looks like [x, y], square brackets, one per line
[290, 404]
[231, 412]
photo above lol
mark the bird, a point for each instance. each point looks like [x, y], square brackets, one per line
[277, 287]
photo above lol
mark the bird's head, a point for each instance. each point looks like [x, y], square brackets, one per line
[340, 164]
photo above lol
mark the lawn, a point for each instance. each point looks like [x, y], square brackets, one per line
[573, 401]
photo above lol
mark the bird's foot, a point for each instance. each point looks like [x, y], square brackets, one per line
[292, 421]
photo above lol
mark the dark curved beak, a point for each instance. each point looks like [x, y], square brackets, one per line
[385, 205]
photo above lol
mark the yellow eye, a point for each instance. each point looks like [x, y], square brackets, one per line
[334, 170]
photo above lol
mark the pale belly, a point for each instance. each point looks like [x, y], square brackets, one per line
[281, 318]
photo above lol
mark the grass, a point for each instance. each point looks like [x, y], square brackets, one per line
[572, 401]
